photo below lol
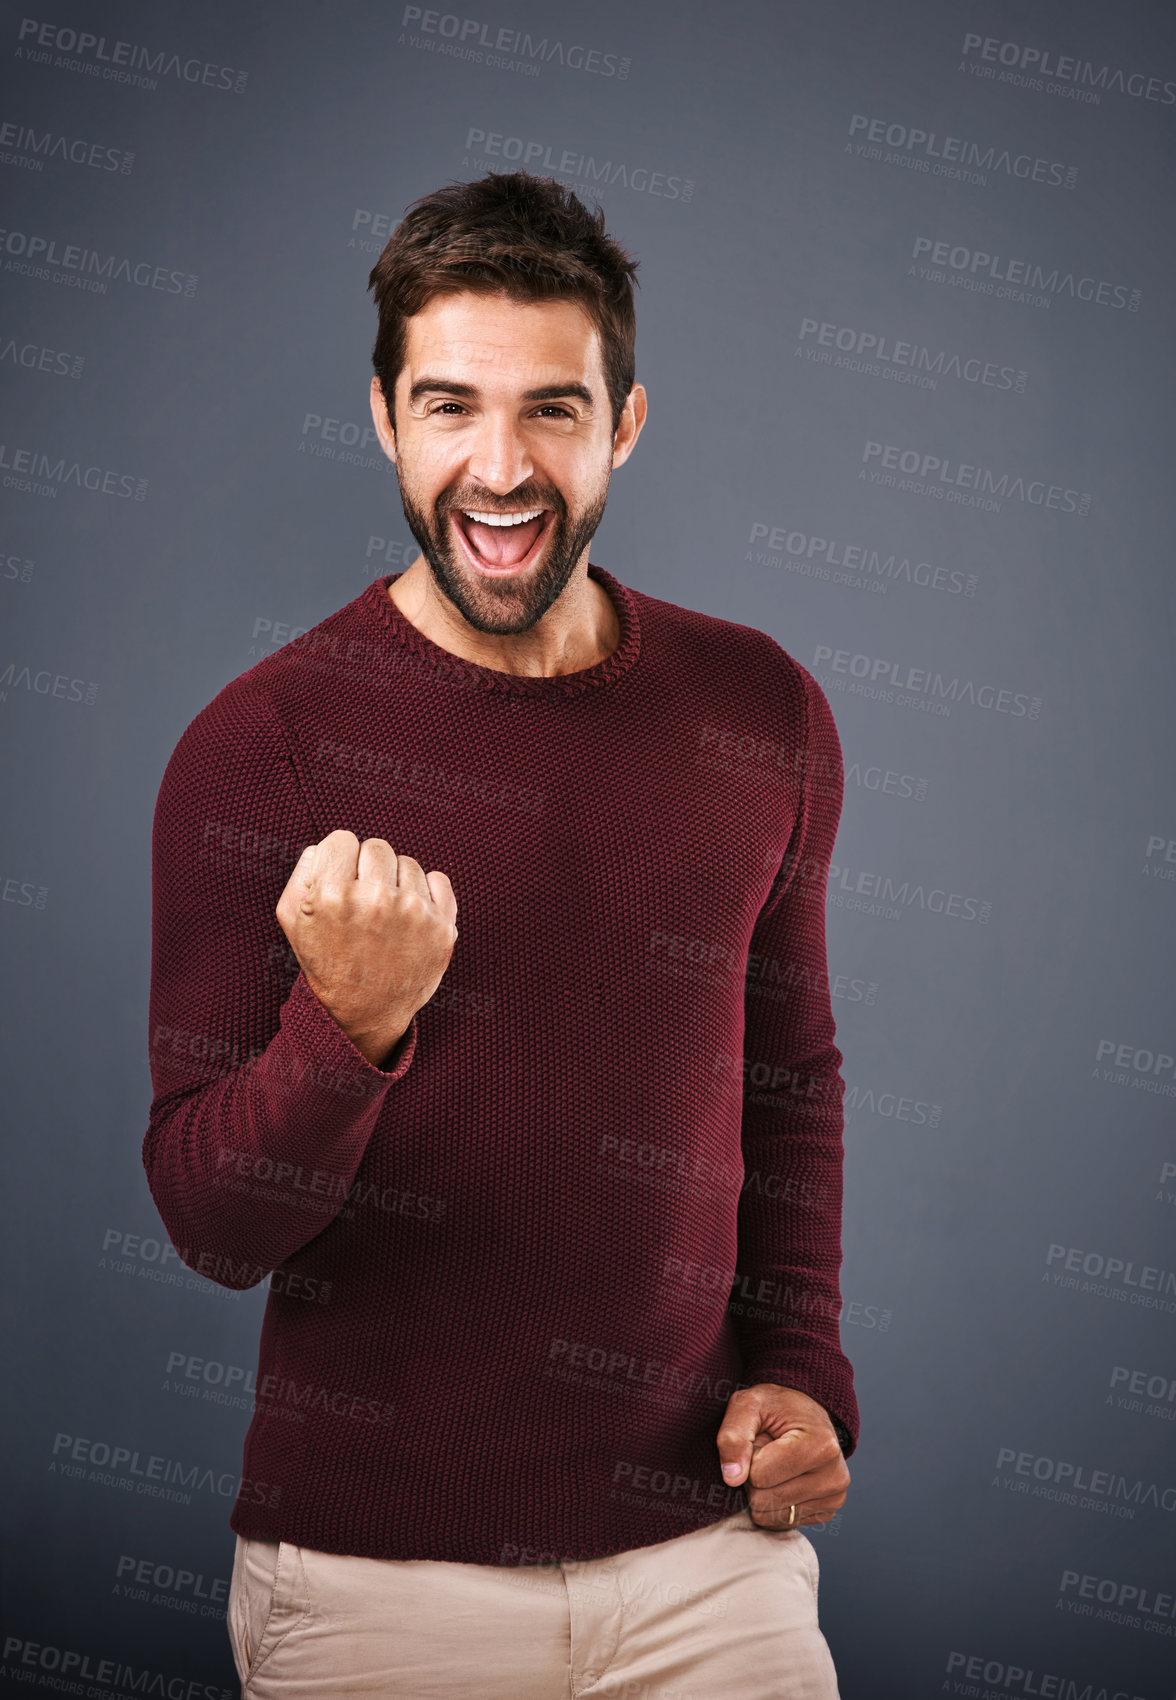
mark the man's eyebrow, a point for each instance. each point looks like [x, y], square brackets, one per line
[470, 392]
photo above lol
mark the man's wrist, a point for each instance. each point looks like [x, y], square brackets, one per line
[393, 1052]
[844, 1437]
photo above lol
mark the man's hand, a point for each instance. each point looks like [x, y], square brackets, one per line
[793, 1451]
[373, 934]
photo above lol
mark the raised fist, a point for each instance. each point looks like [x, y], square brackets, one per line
[373, 934]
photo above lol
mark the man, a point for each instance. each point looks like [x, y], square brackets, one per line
[544, 1271]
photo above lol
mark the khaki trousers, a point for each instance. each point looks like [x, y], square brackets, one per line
[723, 1612]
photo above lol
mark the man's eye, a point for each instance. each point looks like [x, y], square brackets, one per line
[549, 407]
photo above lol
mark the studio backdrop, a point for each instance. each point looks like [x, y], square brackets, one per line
[905, 323]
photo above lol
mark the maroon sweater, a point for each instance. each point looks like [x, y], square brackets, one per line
[518, 1271]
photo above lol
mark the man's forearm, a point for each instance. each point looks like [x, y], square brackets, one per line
[256, 1162]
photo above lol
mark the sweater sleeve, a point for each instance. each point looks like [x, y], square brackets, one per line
[786, 1304]
[262, 1105]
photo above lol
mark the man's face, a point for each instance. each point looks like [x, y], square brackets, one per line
[473, 437]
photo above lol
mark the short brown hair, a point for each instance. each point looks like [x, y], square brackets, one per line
[507, 233]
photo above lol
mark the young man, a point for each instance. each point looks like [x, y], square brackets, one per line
[550, 1374]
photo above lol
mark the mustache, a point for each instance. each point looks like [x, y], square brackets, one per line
[498, 506]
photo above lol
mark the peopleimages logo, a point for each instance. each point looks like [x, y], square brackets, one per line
[855, 564]
[118, 61]
[503, 48]
[883, 894]
[1046, 70]
[45, 683]
[951, 156]
[155, 1473]
[937, 475]
[34, 147]
[1164, 868]
[549, 157]
[892, 1106]
[1027, 281]
[357, 442]
[87, 268]
[971, 1669]
[873, 352]
[41, 474]
[914, 687]
[77, 1666]
[1137, 1066]
[1145, 1285]
[1132, 1605]
[35, 357]
[1118, 1494]
[1141, 1384]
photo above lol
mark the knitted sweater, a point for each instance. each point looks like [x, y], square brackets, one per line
[517, 1271]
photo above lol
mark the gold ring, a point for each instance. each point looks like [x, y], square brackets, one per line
[791, 1517]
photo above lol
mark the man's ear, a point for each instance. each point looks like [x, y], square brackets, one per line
[382, 422]
[629, 427]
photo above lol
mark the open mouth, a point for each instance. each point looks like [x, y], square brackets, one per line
[499, 550]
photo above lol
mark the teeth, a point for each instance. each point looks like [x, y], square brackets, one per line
[503, 519]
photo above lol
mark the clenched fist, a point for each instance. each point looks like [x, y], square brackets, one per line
[372, 932]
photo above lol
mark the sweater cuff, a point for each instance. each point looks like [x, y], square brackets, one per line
[336, 1062]
[844, 1438]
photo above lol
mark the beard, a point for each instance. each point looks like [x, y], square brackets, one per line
[503, 607]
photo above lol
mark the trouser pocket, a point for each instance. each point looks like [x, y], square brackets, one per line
[812, 1563]
[267, 1599]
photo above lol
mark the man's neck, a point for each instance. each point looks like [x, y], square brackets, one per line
[576, 634]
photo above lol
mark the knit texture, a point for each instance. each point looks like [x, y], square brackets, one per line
[517, 1272]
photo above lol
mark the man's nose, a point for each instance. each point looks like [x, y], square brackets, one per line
[499, 458]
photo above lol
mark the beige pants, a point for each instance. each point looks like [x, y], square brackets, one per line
[724, 1612]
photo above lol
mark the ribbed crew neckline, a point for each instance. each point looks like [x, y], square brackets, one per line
[376, 599]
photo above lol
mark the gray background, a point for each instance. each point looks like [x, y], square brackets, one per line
[1008, 1055]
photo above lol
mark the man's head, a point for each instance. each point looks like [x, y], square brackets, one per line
[504, 366]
